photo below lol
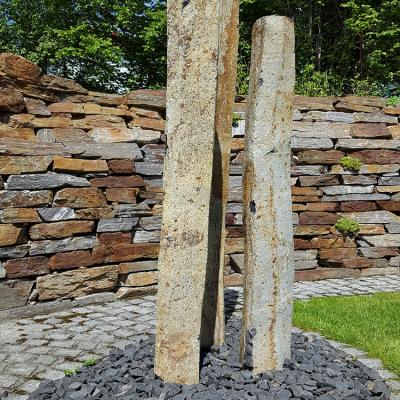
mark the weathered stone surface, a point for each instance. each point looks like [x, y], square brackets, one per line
[306, 143]
[368, 117]
[122, 195]
[120, 252]
[269, 260]
[121, 135]
[80, 198]
[29, 266]
[337, 190]
[356, 144]
[367, 131]
[297, 170]
[115, 237]
[149, 123]
[305, 265]
[392, 110]
[77, 283]
[37, 107]
[395, 262]
[26, 134]
[19, 215]
[149, 169]
[50, 180]
[317, 218]
[97, 121]
[394, 131]
[56, 214]
[378, 156]
[393, 227]
[180, 329]
[323, 180]
[61, 84]
[146, 237]
[66, 135]
[311, 230]
[360, 262]
[25, 198]
[146, 98]
[331, 116]
[337, 253]
[14, 293]
[320, 157]
[10, 235]
[320, 207]
[78, 166]
[379, 252]
[140, 279]
[118, 181]
[116, 224]
[359, 180]
[355, 206]
[63, 245]
[389, 180]
[108, 151]
[138, 266]
[388, 189]
[71, 260]
[372, 229]
[304, 103]
[95, 213]
[390, 205]
[18, 67]
[388, 240]
[348, 106]
[30, 121]
[154, 152]
[17, 147]
[132, 292]
[14, 251]
[13, 165]
[121, 167]
[59, 230]
[373, 217]
[356, 197]
[321, 130]
[11, 100]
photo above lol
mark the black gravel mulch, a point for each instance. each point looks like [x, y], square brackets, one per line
[315, 371]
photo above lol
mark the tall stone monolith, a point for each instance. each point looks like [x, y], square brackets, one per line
[200, 96]
[269, 265]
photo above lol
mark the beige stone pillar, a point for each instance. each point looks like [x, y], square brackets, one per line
[199, 90]
[269, 265]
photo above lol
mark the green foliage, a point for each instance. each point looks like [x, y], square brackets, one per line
[351, 46]
[370, 323]
[351, 163]
[235, 119]
[347, 226]
[393, 101]
[90, 362]
[70, 372]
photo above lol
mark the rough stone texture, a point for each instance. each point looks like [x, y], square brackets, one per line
[14, 293]
[58, 230]
[77, 283]
[189, 267]
[68, 244]
[25, 198]
[79, 198]
[19, 165]
[10, 235]
[30, 266]
[269, 260]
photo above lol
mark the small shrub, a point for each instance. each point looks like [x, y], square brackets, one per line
[70, 372]
[90, 362]
[352, 163]
[393, 101]
[347, 226]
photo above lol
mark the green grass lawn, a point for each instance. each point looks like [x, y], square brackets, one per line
[370, 323]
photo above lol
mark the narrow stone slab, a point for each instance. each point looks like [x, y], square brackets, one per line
[56, 214]
[306, 143]
[25, 198]
[107, 151]
[116, 224]
[62, 245]
[14, 293]
[373, 217]
[358, 144]
[13, 165]
[342, 189]
[202, 43]
[388, 240]
[269, 259]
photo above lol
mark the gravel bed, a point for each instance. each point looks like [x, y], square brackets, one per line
[315, 371]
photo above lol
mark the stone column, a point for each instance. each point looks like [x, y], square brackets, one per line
[269, 265]
[197, 35]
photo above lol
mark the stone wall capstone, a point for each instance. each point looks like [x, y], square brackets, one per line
[81, 188]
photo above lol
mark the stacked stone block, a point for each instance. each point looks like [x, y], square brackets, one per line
[81, 188]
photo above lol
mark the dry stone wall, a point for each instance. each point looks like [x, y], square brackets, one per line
[81, 188]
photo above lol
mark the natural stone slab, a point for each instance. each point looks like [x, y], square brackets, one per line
[356, 197]
[388, 189]
[107, 151]
[306, 143]
[71, 260]
[149, 168]
[311, 230]
[297, 170]
[132, 210]
[154, 153]
[372, 229]
[11, 100]
[150, 223]
[306, 103]
[26, 134]
[388, 240]
[30, 121]
[37, 107]
[355, 206]
[378, 252]
[320, 157]
[189, 292]
[359, 180]
[25, 198]
[56, 214]
[321, 130]
[122, 252]
[18, 67]
[80, 198]
[63, 245]
[377, 156]
[50, 180]
[394, 131]
[17, 147]
[19, 215]
[356, 144]
[13, 165]
[301, 255]
[132, 292]
[60, 84]
[29, 266]
[10, 235]
[269, 260]
[121, 166]
[14, 251]
[317, 218]
[98, 121]
[373, 217]
[138, 266]
[390, 205]
[59, 230]
[77, 283]
[305, 265]
[235, 188]
[122, 135]
[79, 166]
[14, 293]
[331, 116]
[122, 195]
[389, 180]
[118, 181]
[368, 117]
[348, 106]
[146, 237]
[393, 227]
[140, 279]
[323, 180]
[367, 169]
[116, 224]
[341, 189]
[146, 98]
[367, 131]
